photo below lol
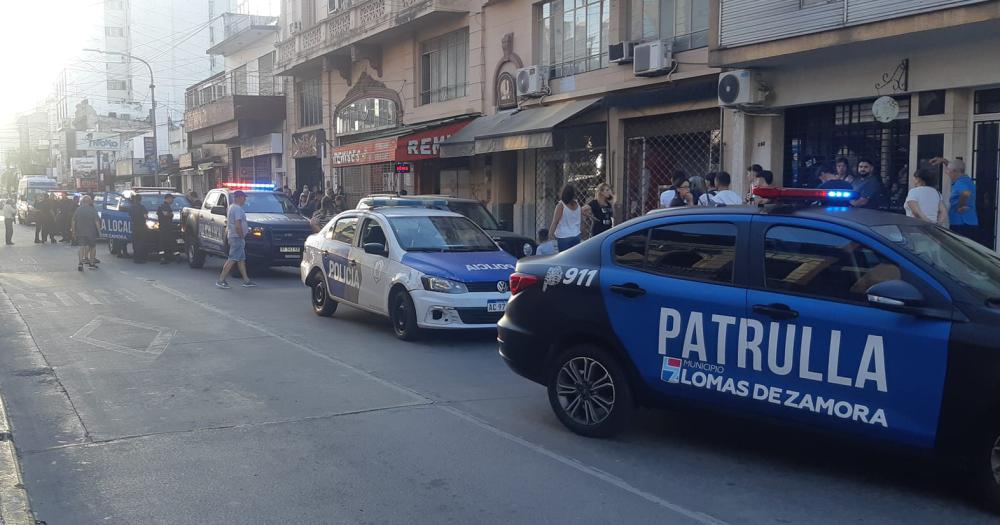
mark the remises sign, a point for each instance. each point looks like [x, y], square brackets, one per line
[421, 145]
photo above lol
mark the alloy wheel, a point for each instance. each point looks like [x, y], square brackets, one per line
[586, 390]
[995, 460]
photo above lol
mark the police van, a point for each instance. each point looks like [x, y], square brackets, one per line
[847, 320]
[423, 268]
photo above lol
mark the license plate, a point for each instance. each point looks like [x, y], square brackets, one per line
[499, 305]
[289, 249]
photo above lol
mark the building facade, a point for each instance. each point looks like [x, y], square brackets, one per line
[822, 65]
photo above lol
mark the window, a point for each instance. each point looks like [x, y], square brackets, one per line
[345, 229]
[116, 32]
[310, 95]
[684, 22]
[631, 250]
[444, 63]
[210, 201]
[118, 85]
[440, 234]
[987, 101]
[367, 114]
[372, 232]
[701, 251]
[572, 35]
[333, 5]
[931, 103]
[822, 264]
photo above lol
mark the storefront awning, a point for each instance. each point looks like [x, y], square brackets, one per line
[513, 129]
[406, 144]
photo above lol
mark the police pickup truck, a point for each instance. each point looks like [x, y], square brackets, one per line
[113, 209]
[276, 231]
[850, 321]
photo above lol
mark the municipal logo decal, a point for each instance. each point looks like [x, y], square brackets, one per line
[671, 372]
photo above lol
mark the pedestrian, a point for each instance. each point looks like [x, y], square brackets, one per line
[304, 196]
[752, 172]
[722, 196]
[868, 185]
[831, 179]
[194, 199]
[843, 168]
[923, 200]
[546, 246]
[236, 232]
[566, 219]
[601, 211]
[763, 179]
[140, 232]
[9, 212]
[322, 216]
[44, 218]
[287, 191]
[668, 196]
[699, 187]
[710, 190]
[166, 232]
[64, 208]
[85, 226]
[962, 217]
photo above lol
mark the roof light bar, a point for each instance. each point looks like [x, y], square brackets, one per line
[375, 203]
[249, 186]
[805, 194]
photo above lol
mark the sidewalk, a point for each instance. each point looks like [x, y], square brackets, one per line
[14, 506]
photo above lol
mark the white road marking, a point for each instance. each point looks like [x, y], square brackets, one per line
[64, 297]
[156, 347]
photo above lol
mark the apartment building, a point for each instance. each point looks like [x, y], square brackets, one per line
[817, 67]
[424, 97]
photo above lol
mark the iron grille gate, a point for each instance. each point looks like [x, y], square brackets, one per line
[580, 159]
[656, 147]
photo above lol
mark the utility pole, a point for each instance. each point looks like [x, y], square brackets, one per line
[152, 101]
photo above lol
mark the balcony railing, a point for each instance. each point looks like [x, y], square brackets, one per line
[233, 83]
[354, 22]
[235, 24]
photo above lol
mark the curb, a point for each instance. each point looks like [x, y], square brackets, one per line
[14, 506]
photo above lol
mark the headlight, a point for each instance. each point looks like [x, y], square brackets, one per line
[527, 249]
[257, 232]
[152, 225]
[440, 284]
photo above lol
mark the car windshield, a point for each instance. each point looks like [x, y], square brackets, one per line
[153, 201]
[268, 203]
[440, 234]
[966, 262]
[475, 211]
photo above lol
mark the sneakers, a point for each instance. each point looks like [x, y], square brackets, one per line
[249, 284]
[222, 284]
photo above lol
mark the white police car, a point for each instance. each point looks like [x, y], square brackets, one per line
[421, 267]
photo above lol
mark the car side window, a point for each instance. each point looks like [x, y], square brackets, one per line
[704, 251]
[823, 265]
[345, 229]
[222, 201]
[372, 232]
[210, 200]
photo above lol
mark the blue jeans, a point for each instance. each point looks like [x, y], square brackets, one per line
[566, 243]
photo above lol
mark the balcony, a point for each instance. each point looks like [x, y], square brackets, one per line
[233, 105]
[239, 30]
[359, 22]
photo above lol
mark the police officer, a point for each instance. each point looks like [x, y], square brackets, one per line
[140, 234]
[168, 237]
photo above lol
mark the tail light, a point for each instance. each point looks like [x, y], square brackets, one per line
[521, 281]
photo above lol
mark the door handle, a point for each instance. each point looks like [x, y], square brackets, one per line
[775, 311]
[629, 290]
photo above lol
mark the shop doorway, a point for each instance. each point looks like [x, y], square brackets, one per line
[985, 172]
[308, 171]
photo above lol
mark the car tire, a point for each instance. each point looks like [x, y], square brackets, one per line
[589, 391]
[987, 465]
[195, 257]
[403, 315]
[323, 305]
[113, 247]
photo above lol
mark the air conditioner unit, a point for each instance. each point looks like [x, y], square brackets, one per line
[653, 58]
[532, 81]
[740, 88]
[621, 53]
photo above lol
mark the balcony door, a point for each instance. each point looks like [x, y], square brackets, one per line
[985, 172]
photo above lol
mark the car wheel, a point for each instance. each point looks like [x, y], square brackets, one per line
[195, 257]
[323, 305]
[403, 315]
[987, 463]
[113, 248]
[589, 391]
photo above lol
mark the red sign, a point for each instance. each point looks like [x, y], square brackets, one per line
[403, 168]
[415, 146]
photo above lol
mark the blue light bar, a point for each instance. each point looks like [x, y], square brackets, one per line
[405, 202]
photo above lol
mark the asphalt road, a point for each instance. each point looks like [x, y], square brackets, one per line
[143, 394]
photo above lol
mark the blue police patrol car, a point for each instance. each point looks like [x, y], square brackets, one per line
[421, 267]
[854, 321]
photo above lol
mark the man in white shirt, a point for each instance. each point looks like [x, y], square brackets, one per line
[8, 222]
[723, 195]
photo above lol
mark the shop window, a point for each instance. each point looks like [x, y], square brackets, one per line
[931, 103]
[987, 101]
[310, 95]
[444, 63]
[684, 22]
[572, 35]
[368, 114]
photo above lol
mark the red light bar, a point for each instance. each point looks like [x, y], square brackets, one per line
[248, 186]
[804, 194]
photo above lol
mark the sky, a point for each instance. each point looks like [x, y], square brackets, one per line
[41, 37]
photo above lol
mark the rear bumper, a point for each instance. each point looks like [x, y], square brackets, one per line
[522, 351]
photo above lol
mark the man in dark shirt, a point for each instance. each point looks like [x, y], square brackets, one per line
[868, 185]
[168, 237]
[45, 218]
[140, 233]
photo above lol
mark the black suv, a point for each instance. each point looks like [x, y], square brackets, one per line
[513, 243]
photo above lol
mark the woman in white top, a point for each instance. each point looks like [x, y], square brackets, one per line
[923, 201]
[566, 219]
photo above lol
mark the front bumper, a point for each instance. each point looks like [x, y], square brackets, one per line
[457, 311]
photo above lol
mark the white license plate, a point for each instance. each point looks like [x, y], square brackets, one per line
[289, 249]
[496, 306]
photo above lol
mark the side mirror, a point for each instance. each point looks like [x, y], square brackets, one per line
[895, 295]
[219, 210]
[376, 248]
